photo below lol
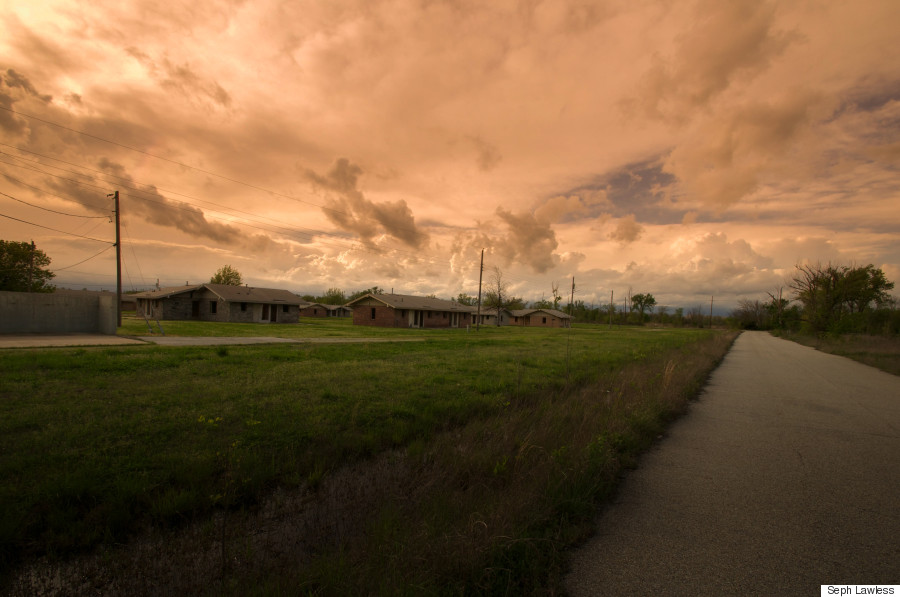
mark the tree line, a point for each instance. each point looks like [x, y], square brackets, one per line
[827, 298]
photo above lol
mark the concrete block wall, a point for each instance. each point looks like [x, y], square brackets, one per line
[49, 313]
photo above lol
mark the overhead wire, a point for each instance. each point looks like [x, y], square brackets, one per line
[59, 269]
[182, 164]
[305, 232]
[55, 230]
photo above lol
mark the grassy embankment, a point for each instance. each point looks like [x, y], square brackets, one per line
[463, 463]
[881, 352]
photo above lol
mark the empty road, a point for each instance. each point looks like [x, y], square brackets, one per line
[783, 476]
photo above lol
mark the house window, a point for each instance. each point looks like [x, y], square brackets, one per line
[213, 305]
[373, 312]
[543, 320]
[315, 311]
[445, 315]
[284, 308]
[243, 306]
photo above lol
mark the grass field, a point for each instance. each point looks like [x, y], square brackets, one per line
[99, 445]
[881, 352]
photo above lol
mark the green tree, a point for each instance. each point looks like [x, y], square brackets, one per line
[464, 299]
[22, 268]
[835, 297]
[642, 303]
[227, 275]
[333, 296]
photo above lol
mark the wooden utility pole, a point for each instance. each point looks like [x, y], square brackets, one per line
[118, 266]
[480, 275]
[612, 307]
[31, 269]
[710, 312]
[572, 300]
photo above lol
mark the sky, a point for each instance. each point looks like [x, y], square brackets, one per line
[689, 149]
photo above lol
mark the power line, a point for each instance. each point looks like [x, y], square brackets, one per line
[176, 162]
[305, 232]
[51, 210]
[59, 269]
[54, 229]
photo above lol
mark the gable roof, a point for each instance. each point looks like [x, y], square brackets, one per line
[167, 292]
[418, 303]
[232, 294]
[323, 305]
[553, 312]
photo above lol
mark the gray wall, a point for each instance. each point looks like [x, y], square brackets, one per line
[51, 313]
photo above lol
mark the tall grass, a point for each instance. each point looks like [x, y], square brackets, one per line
[357, 461]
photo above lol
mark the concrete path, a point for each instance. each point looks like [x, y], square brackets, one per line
[49, 341]
[783, 477]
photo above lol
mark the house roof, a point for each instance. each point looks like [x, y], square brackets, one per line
[323, 305]
[167, 292]
[232, 294]
[419, 303]
[553, 312]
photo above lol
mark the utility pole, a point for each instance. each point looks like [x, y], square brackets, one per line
[118, 264]
[480, 274]
[31, 269]
[612, 307]
[710, 312]
[572, 300]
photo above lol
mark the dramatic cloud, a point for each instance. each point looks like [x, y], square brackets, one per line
[527, 240]
[352, 212]
[627, 231]
[727, 41]
[679, 148]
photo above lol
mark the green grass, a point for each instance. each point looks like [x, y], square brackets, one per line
[308, 327]
[881, 352]
[96, 444]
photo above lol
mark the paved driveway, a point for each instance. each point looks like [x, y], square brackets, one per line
[784, 476]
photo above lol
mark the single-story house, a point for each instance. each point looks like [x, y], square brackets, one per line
[220, 302]
[489, 316]
[548, 318]
[403, 310]
[322, 310]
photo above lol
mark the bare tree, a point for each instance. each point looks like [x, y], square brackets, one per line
[496, 296]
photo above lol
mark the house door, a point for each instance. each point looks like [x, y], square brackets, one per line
[265, 312]
[195, 309]
[272, 311]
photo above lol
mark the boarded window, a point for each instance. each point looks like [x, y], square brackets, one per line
[213, 305]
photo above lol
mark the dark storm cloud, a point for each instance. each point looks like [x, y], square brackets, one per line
[14, 79]
[352, 212]
[642, 189]
[527, 240]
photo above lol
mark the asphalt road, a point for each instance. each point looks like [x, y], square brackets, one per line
[783, 477]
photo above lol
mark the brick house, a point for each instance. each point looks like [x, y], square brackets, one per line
[220, 302]
[322, 310]
[489, 317]
[548, 318]
[407, 311]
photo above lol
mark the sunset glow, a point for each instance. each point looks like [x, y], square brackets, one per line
[686, 149]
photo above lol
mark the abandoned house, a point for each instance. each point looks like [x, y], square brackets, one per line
[322, 310]
[548, 318]
[220, 302]
[402, 311]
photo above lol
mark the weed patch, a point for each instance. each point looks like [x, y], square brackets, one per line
[458, 465]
